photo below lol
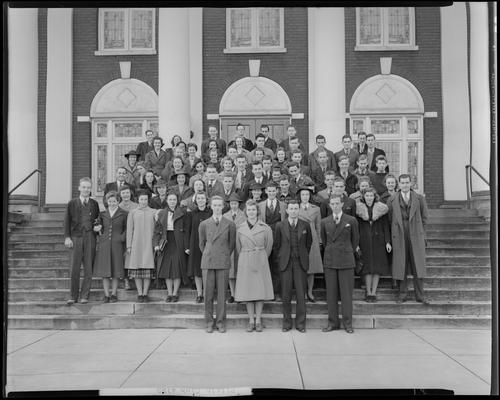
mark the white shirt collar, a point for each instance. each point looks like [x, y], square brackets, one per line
[337, 216]
[82, 199]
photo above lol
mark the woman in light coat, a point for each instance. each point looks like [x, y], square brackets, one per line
[254, 243]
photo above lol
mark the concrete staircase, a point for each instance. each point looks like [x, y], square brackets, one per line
[458, 285]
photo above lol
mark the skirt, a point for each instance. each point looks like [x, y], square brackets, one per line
[171, 264]
[142, 273]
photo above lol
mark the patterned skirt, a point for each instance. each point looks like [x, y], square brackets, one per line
[141, 273]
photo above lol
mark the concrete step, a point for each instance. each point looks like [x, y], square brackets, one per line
[454, 219]
[458, 226]
[37, 237]
[46, 223]
[432, 251]
[190, 307]
[39, 230]
[458, 271]
[434, 282]
[454, 213]
[458, 260]
[25, 253]
[457, 234]
[52, 216]
[239, 321]
[40, 262]
[461, 243]
[438, 294]
[47, 245]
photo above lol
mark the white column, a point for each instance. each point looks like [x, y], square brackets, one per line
[456, 119]
[59, 105]
[479, 92]
[22, 125]
[174, 89]
[326, 75]
[196, 72]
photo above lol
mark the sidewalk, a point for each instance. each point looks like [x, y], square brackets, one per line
[157, 358]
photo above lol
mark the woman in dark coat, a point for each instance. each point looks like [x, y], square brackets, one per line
[171, 230]
[149, 183]
[108, 261]
[194, 218]
[374, 240]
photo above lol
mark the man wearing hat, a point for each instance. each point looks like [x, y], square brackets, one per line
[131, 166]
[237, 215]
[272, 211]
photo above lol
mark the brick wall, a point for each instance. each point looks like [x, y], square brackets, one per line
[423, 69]
[90, 74]
[290, 69]
[42, 95]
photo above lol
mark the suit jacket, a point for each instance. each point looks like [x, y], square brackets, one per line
[294, 186]
[348, 208]
[217, 188]
[113, 186]
[270, 143]
[318, 176]
[350, 182]
[245, 191]
[340, 241]
[282, 245]
[217, 243]
[225, 196]
[262, 206]
[359, 150]
[156, 162]
[331, 163]
[353, 158]
[376, 152]
[144, 148]
[285, 143]
[72, 216]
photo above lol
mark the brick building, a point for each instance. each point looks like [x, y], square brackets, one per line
[85, 83]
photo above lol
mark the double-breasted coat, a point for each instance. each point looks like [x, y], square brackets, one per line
[140, 229]
[313, 216]
[180, 234]
[416, 230]
[340, 241]
[253, 279]
[217, 243]
[194, 219]
[108, 261]
[374, 234]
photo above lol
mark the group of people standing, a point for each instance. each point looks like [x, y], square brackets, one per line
[261, 218]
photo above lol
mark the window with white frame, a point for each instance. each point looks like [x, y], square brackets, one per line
[255, 30]
[126, 31]
[385, 28]
[401, 137]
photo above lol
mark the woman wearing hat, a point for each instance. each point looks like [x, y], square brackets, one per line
[236, 215]
[157, 158]
[170, 240]
[311, 213]
[131, 166]
[256, 192]
[182, 189]
[254, 243]
[201, 212]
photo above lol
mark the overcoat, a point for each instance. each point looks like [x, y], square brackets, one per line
[180, 233]
[194, 220]
[253, 280]
[313, 216]
[417, 221]
[217, 243]
[156, 162]
[374, 234]
[340, 241]
[140, 229]
[108, 262]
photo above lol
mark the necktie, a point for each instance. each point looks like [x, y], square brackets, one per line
[337, 219]
[406, 198]
[85, 202]
[294, 223]
[234, 216]
[271, 206]
[217, 221]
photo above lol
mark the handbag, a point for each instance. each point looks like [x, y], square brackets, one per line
[358, 263]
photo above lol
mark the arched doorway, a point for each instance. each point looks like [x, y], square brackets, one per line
[252, 102]
[392, 108]
[120, 113]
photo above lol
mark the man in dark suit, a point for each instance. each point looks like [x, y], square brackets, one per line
[121, 176]
[243, 172]
[361, 147]
[284, 194]
[285, 143]
[330, 157]
[349, 205]
[340, 236]
[258, 177]
[294, 146]
[318, 172]
[81, 214]
[228, 190]
[351, 154]
[217, 242]
[296, 177]
[270, 143]
[212, 135]
[247, 143]
[292, 243]
[350, 179]
[373, 152]
[144, 148]
[214, 185]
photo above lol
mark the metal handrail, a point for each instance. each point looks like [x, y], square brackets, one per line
[468, 181]
[39, 186]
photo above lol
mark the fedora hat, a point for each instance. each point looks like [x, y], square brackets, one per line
[132, 153]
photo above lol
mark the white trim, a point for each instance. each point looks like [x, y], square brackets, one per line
[384, 46]
[212, 116]
[124, 52]
[82, 118]
[196, 73]
[255, 47]
[430, 114]
[297, 115]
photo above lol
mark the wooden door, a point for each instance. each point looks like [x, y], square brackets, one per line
[277, 127]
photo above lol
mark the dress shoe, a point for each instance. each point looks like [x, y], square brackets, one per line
[330, 328]
[424, 301]
[401, 299]
[277, 298]
[231, 299]
[259, 328]
[113, 298]
[84, 301]
[106, 299]
[374, 299]
[175, 298]
[140, 299]
[222, 329]
[349, 330]
[301, 330]
[70, 302]
[168, 299]
[311, 299]
[285, 329]
[145, 298]
[250, 327]
[199, 299]
[367, 297]
[210, 329]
